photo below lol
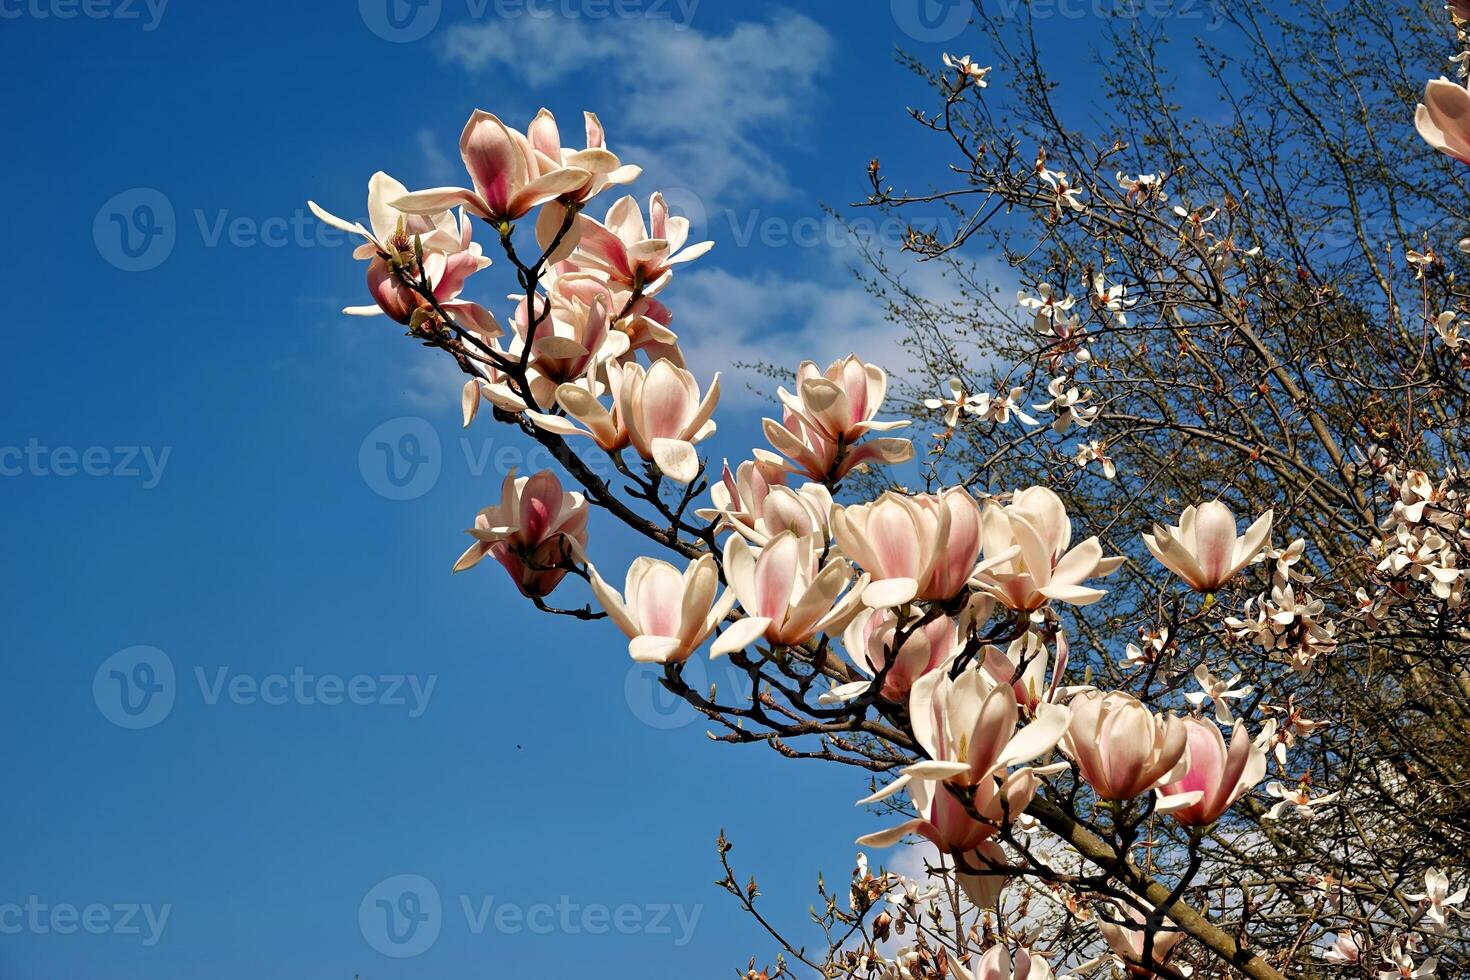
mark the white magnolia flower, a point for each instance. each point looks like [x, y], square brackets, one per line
[1214, 689]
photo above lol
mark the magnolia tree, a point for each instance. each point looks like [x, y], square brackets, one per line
[1165, 666]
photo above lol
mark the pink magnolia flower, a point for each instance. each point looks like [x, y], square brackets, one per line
[1216, 776]
[665, 416]
[446, 273]
[535, 526]
[393, 231]
[580, 400]
[1023, 666]
[841, 401]
[637, 256]
[510, 174]
[1121, 747]
[997, 964]
[573, 331]
[817, 455]
[1128, 938]
[450, 256]
[1346, 949]
[788, 594]
[602, 165]
[1443, 118]
[1029, 560]
[740, 492]
[870, 639]
[967, 727]
[666, 615]
[1204, 550]
[914, 547]
[755, 502]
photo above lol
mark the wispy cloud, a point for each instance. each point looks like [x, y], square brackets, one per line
[707, 110]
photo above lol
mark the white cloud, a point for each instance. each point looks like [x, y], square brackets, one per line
[706, 108]
[781, 318]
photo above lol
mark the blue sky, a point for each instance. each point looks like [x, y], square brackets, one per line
[191, 484]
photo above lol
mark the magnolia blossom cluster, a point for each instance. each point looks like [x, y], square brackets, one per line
[948, 607]
[1421, 550]
[1287, 621]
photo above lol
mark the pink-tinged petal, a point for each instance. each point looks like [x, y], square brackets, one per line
[658, 215]
[544, 188]
[994, 965]
[994, 726]
[775, 576]
[701, 582]
[889, 592]
[595, 134]
[351, 227]
[555, 243]
[625, 220]
[1204, 774]
[495, 161]
[1254, 538]
[695, 427]
[1037, 738]
[893, 537]
[666, 404]
[690, 253]
[541, 500]
[469, 401]
[1214, 541]
[891, 836]
[654, 649]
[1443, 119]
[659, 596]
[612, 603]
[437, 199]
[1128, 741]
[676, 459]
[391, 295]
[544, 135]
[598, 242]
[458, 267]
[595, 161]
[472, 556]
[739, 635]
